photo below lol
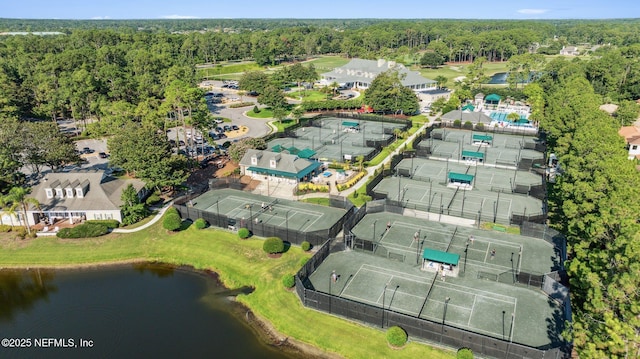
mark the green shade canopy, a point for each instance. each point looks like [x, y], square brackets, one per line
[472, 154]
[306, 153]
[482, 138]
[460, 177]
[293, 150]
[350, 124]
[301, 174]
[468, 107]
[441, 257]
[277, 148]
[493, 98]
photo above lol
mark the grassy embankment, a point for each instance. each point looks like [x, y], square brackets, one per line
[239, 263]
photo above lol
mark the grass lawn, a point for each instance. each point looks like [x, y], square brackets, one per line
[328, 63]
[264, 113]
[281, 125]
[224, 69]
[308, 95]
[456, 70]
[239, 263]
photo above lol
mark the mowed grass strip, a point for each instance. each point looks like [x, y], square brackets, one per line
[238, 263]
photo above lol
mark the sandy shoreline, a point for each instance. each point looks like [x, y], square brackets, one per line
[261, 327]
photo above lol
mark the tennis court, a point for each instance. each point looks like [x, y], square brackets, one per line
[338, 139]
[488, 178]
[245, 207]
[438, 198]
[477, 305]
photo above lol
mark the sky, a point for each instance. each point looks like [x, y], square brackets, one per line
[324, 9]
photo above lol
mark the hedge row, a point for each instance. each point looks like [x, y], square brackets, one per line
[85, 230]
[351, 182]
[110, 223]
[312, 187]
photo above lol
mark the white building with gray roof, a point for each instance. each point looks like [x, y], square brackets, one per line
[278, 166]
[359, 73]
[79, 195]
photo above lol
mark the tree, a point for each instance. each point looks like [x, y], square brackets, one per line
[144, 152]
[273, 97]
[387, 94]
[627, 112]
[11, 150]
[431, 59]
[46, 145]
[441, 81]
[238, 149]
[17, 200]
[132, 209]
[476, 73]
[254, 81]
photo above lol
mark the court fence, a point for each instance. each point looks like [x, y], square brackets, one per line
[261, 229]
[415, 326]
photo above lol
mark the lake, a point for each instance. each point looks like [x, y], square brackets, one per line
[134, 311]
[500, 78]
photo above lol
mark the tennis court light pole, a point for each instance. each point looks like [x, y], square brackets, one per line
[383, 295]
[374, 229]
[286, 223]
[250, 207]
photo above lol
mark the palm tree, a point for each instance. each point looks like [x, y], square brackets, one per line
[17, 199]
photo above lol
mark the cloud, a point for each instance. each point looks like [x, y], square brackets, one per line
[178, 17]
[100, 18]
[533, 11]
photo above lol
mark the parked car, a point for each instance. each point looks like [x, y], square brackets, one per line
[219, 129]
[227, 128]
[219, 120]
[102, 155]
[235, 128]
[221, 136]
[87, 150]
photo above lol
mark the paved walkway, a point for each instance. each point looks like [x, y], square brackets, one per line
[148, 224]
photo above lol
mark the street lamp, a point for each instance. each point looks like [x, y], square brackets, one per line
[444, 313]
[218, 212]
[503, 312]
[250, 207]
[330, 280]
[374, 229]
[286, 223]
[383, 295]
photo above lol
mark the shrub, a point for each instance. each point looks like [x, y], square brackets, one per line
[468, 125]
[85, 230]
[172, 220]
[480, 126]
[305, 246]
[240, 104]
[288, 281]
[464, 353]
[110, 223]
[21, 232]
[303, 261]
[351, 182]
[256, 109]
[153, 199]
[457, 123]
[273, 245]
[396, 336]
[4, 228]
[200, 223]
[243, 233]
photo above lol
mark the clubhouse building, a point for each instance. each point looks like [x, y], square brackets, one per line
[359, 74]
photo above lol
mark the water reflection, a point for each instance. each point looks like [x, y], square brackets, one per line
[20, 290]
[160, 271]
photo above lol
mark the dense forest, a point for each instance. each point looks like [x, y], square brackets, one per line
[128, 78]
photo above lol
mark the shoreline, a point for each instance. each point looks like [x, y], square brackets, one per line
[262, 328]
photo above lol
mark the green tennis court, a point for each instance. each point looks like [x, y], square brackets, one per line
[245, 207]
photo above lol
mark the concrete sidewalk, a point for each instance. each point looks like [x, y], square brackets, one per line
[148, 224]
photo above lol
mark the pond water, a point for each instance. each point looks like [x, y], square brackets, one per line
[138, 311]
[500, 78]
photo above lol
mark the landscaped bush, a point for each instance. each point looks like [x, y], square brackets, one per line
[243, 233]
[21, 232]
[396, 336]
[85, 230]
[288, 281]
[200, 223]
[240, 104]
[153, 199]
[312, 187]
[4, 228]
[468, 125]
[256, 109]
[172, 220]
[351, 182]
[273, 245]
[457, 123]
[480, 126]
[110, 223]
[305, 246]
[464, 353]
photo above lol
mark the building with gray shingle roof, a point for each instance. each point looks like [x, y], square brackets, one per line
[473, 117]
[278, 166]
[80, 195]
[359, 73]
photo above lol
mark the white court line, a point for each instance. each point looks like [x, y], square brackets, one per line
[389, 272]
[475, 291]
[312, 223]
[510, 204]
[515, 305]
[473, 306]
[352, 278]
